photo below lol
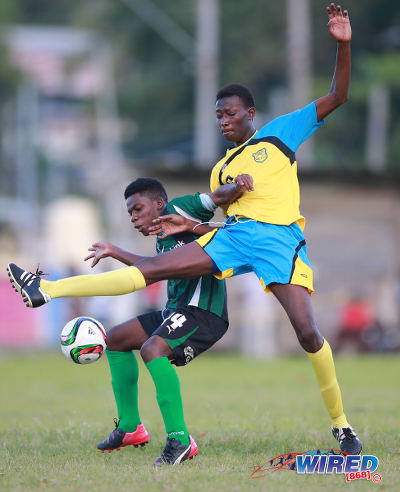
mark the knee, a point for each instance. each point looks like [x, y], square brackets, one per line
[152, 349]
[146, 351]
[308, 334]
[114, 342]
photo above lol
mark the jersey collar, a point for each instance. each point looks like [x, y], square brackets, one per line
[228, 151]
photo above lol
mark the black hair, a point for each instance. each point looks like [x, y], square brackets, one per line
[146, 186]
[238, 90]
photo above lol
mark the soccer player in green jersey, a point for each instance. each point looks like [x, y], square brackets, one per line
[195, 317]
[264, 229]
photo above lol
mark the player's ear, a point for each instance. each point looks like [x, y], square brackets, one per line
[160, 204]
[251, 112]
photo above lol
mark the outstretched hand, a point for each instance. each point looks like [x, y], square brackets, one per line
[339, 23]
[168, 225]
[99, 250]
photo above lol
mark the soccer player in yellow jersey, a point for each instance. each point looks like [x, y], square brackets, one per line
[263, 231]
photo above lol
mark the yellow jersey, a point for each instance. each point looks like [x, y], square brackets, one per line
[269, 157]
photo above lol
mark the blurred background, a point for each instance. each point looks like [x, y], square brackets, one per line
[94, 94]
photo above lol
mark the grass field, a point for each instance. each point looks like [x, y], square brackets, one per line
[241, 412]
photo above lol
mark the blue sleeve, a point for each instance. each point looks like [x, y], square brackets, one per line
[293, 128]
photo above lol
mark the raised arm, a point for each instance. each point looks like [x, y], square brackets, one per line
[340, 29]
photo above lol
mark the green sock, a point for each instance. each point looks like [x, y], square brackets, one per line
[124, 378]
[169, 398]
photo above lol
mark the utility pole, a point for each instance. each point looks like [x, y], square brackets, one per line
[27, 177]
[207, 53]
[299, 65]
[377, 127]
[113, 174]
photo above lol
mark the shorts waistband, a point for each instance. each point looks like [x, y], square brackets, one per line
[232, 219]
[236, 218]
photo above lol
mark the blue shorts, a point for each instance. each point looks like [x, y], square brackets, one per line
[275, 253]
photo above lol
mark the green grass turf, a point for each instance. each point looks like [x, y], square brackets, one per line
[241, 412]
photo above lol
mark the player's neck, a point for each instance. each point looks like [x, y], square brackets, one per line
[246, 137]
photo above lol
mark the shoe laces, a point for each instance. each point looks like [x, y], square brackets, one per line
[39, 273]
[115, 434]
[346, 432]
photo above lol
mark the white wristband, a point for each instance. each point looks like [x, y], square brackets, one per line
[208, 202]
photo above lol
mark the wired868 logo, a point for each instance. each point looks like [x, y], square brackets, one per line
[354, 467]
[320, 461]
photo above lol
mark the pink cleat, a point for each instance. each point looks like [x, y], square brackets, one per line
[119, 438]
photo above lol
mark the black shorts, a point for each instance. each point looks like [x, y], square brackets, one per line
[189, 331]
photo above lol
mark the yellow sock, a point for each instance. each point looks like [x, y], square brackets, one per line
[115, 283]
[324, 368]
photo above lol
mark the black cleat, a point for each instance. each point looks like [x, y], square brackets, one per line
[349, 442]
[174, 452]
[28, 285]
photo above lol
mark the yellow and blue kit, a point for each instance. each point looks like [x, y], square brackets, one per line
[263, 232]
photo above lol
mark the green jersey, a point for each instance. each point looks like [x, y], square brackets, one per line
[205, 292]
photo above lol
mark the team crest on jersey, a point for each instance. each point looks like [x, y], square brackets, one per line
[261, 155]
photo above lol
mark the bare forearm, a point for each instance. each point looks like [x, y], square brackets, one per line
[125, 256]
[339, 91]
[202, 229]
[341, 77]
[197, 227]
[226, 194]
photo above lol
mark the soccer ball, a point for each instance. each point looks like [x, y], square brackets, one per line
[83, 340]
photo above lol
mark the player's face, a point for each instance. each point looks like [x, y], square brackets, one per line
[234, 119]
[143, 210]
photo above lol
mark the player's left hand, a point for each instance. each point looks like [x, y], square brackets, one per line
[244, 182]
[99, 250]
[339, 23]
[167, 225]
